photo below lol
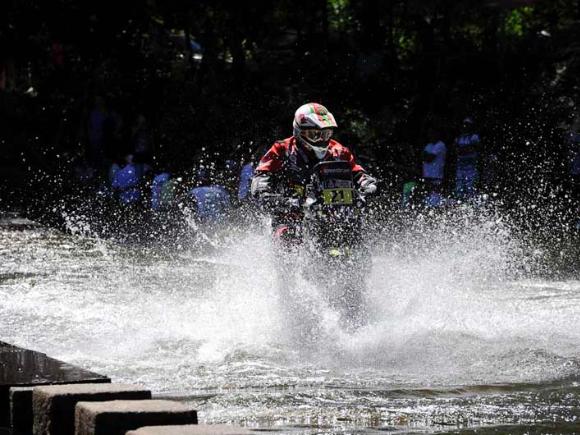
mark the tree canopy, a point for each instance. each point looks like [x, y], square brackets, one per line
[227, 76]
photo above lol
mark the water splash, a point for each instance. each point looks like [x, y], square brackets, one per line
[448, 301]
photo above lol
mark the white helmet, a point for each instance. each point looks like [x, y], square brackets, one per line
[313, 124]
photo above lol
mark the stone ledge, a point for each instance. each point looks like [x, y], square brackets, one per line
[54, 405]
[191, 429]
[24, 368]
[119, 416]
[21, 410]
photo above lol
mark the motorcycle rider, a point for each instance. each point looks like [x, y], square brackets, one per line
[286, 167]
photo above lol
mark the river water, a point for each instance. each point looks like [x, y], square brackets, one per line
[460, 336]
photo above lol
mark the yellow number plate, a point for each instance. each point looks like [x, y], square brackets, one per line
[337, 196]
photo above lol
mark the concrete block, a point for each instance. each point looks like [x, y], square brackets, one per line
[192, 429]
[54, 405]
[119, 416]
[21, 410]
[27, 368]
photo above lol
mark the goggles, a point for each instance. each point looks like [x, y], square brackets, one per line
[315, 135]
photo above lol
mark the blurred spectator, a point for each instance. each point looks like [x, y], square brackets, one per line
[115, 167]
[409, 194]
[249, 162]
[163, 189]
[212, 202]
[434, 155]
[467, 145]
[126, 183]
[246, 174]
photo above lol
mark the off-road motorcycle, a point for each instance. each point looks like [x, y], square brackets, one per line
[328, 228]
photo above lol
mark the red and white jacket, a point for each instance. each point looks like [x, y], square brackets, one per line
[289, 163]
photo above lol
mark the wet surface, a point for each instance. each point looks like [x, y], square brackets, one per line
[455, 342]
[21, 367]
[24, 368]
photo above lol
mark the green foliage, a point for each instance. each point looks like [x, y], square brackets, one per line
[339, 15]
[394, 65]
[517, 22]
[405, 43]
[474, 33]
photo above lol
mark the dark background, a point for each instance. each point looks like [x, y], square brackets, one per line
[389, 70]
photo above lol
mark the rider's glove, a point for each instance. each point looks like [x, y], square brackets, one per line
[368, 186]
[309, 202]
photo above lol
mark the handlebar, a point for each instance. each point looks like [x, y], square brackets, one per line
[277, 200]
[272, 201]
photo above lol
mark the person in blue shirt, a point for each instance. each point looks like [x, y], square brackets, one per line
[246, 174]
[247, 171]
[126, 183]
[434, 159]
[212, 202]
[468, 148]
[159, 187]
